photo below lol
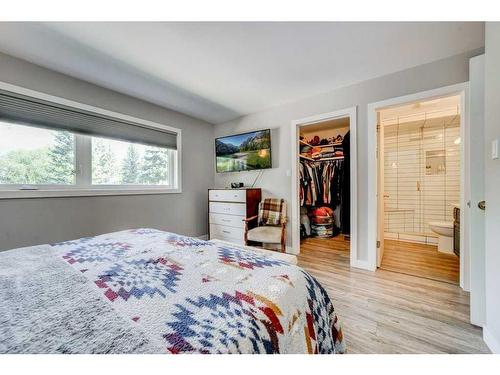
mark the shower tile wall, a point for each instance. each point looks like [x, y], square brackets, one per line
[416, 194]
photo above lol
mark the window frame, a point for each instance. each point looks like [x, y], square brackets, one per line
[83, 160]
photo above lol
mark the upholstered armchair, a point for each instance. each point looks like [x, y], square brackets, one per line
[271, 224]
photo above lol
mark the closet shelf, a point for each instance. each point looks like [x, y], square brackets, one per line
[333, 158]
[321, 159]
[306, 157]
[304, 143]
[329, 144]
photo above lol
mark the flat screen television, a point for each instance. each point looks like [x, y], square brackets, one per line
[243, 152]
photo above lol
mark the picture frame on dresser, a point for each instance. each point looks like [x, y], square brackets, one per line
[227, 210]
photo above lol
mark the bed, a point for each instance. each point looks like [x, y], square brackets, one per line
[150, 291]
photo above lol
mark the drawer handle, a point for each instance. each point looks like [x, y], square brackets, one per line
[226, 221]
[226, 231]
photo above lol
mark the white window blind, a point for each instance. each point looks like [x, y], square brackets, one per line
[36, 112]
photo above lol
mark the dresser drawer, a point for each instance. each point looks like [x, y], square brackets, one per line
[238, 209]
[229, 220]
[224, 232]
[238, 241]
[227, 195]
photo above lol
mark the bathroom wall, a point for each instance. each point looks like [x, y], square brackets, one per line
[421, 176]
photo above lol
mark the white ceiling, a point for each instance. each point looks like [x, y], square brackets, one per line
[219, 71]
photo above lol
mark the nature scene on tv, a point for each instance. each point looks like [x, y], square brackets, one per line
[244, 152]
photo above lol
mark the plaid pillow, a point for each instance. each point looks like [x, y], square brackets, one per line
[270, 211]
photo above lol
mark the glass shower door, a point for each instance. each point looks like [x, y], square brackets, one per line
[409, 176]
[402, 176]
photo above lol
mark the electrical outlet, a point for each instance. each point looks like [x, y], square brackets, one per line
[494, 149]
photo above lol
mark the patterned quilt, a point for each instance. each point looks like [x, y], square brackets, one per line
[181, 295]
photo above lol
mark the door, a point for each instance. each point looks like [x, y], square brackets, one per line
[380, 192]
[475, 220]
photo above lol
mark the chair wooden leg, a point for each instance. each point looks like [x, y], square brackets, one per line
[245, 236]
[283, 238]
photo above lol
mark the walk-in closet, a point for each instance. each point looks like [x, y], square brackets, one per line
[324, 185]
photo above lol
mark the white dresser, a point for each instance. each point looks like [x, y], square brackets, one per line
[226, 210]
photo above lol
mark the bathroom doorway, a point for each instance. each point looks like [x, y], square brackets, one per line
[419, 188]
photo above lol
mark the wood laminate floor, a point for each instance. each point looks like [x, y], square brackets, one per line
[420, 260]
[389, 312]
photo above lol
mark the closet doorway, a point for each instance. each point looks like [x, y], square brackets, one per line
[322, 223]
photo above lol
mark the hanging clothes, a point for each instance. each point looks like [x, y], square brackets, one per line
[324, 184]
[321, 183]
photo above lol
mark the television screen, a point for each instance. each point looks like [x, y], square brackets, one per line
[243, 152]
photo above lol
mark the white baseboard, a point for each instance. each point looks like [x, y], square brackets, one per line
[490, 340]
[365, 265]
[203, 237]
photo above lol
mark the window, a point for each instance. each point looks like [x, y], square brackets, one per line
[36, 156]
[124, 163]
[47, 149]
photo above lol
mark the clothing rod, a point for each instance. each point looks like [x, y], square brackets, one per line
[320, 160]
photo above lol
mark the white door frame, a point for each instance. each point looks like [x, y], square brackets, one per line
[461, 89]
[476, 194]
[295, 201]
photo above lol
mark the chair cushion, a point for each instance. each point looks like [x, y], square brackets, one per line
[266, 234]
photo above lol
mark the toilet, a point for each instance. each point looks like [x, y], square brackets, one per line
[444, 230]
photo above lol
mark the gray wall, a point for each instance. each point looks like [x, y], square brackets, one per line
[25, 222]
[275, 182]
[492, 183]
